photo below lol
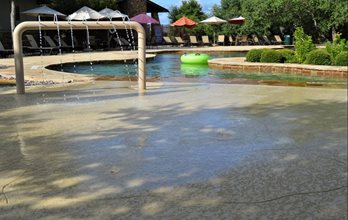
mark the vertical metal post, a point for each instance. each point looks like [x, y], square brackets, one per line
[141, 61]
[18, 57]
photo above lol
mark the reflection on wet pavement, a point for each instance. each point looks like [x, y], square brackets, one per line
[182, 151]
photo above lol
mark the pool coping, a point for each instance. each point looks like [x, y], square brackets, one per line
[239, 64]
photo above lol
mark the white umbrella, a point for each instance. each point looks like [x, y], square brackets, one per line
[43, 11]
[109, 13]
[85, 13]
[213, 20]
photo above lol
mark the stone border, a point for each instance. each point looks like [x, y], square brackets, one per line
[237, 63]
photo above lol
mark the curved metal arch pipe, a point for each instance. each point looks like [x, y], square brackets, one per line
[77, 25]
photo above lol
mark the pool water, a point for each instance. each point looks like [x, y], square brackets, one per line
[167, 67]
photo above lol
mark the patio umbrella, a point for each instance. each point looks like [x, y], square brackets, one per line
[144, 19]
[43, 11]
[213, 20]
[109, 13]
[184, 22]
[238, 20]
[85, 13]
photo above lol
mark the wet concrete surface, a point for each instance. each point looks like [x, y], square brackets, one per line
[182, 151]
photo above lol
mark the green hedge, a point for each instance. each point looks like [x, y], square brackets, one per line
[319, 57]
[342, 59]
[270, 56]
[254, 55]
[287, 56]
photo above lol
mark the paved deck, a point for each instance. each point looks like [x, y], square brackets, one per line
[182, 151]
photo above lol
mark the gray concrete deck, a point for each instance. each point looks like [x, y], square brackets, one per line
[182, 151]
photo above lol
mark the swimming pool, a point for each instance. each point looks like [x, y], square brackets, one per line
[167, 67]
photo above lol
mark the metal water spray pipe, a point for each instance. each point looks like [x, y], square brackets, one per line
[77, 25]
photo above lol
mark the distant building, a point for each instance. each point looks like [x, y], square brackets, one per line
[129, 7]
[134, 7]
[20, 6]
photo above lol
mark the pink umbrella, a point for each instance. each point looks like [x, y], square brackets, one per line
[144, 19]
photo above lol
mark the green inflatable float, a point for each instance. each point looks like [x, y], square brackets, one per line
[194, 58]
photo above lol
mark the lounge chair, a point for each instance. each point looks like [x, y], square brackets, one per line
[193, 41]
[34, 46]
[230, 40]
[266, 40]
[63, 43]
[221, 40]
[92, 42]
[152, 43]
[122, 42]
[67, 46]
[77, 44]
[180, 41]
[278, 39]
[205, 40]
[168, 41]
[51, 43]
[256, 40]
[244, 40]
[5, 52]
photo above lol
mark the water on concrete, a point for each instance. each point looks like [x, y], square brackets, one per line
[182, 151]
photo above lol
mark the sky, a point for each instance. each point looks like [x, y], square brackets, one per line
[206, 5]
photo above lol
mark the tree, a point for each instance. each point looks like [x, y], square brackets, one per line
[303, 45]
[319, 18]
[193, 10]
[227, 10]
[338, 18]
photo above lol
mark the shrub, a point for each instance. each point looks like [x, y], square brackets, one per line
[303, 45]
[287, 55]
[254, 55]
[319, 57]
[337, 46]
[342, 59]
[270, 56]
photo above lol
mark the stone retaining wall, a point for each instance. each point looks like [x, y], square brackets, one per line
[297, 69]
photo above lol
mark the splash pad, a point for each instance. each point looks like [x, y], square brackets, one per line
[77, 25]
